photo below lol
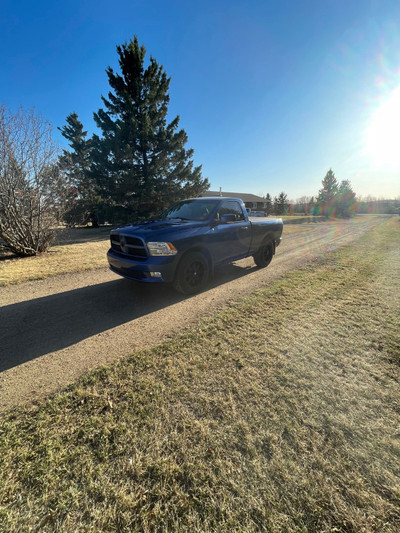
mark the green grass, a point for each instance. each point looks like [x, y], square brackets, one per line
[279, 414]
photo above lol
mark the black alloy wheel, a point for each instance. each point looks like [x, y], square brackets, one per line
[264, 255]
[192, 275]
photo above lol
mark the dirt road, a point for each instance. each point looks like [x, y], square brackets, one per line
[54, 330]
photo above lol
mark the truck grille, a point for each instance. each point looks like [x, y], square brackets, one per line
[128, 245]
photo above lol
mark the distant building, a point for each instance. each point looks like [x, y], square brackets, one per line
[254, 202]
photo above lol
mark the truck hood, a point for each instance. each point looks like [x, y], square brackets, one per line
[155, 229]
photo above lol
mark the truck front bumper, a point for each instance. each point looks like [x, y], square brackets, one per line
[155, 269]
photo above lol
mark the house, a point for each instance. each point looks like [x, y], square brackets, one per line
[254, 202]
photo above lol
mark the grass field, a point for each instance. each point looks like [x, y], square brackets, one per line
[279, 414]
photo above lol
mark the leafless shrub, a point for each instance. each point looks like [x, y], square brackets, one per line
[31, 185]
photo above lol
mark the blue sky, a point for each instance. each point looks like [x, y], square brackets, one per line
[271, 93]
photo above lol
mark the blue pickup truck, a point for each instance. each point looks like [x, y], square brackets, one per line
[183, 245]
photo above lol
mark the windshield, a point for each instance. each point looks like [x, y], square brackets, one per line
[190, 210]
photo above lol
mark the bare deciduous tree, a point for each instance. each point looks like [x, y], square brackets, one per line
[31, 186]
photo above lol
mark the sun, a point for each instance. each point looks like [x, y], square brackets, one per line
[383, 134]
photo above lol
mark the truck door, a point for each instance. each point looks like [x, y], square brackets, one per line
[230, 240]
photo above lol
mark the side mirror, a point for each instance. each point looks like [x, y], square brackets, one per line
[225, 219]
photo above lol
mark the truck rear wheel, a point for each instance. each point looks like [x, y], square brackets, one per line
[263, 256]
[192, 275]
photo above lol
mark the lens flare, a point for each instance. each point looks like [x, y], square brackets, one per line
[383, 134]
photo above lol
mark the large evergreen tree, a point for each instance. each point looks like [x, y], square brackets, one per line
[82, 198]
[345, 201]
[326, 195]
[140, 161]
[334, 199]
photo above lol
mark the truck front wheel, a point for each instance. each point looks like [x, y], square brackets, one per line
[263, 256]
[192, 275]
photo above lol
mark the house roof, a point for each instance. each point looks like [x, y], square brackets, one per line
[245, 197]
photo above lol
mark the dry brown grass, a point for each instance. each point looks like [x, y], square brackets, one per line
[280, 414]
[75, 250]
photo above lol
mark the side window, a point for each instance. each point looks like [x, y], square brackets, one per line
[229, 208]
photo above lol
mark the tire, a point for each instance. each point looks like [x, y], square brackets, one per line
[264, 255]
[192, 274]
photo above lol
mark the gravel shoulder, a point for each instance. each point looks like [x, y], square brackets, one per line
[54, 330]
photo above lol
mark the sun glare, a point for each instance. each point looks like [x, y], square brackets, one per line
[383, 134]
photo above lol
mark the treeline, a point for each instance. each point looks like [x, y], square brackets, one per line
[378, 206]
[306, 205]
[334, 199]
[278, 205]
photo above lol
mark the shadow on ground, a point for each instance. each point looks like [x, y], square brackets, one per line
[40, 326]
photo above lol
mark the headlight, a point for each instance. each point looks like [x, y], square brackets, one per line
[161, 248]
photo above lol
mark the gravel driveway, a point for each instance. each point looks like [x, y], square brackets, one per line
[54, 330]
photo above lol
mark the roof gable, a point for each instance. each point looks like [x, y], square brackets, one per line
[245, 197]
